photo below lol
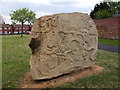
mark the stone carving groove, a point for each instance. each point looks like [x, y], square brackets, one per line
[62, 43]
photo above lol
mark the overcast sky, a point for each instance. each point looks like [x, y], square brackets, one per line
[46, 7]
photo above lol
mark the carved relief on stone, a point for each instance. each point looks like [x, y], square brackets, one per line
[62, 43]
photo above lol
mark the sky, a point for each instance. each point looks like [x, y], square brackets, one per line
[46, 7]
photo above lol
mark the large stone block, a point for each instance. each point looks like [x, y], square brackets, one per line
[62, 43]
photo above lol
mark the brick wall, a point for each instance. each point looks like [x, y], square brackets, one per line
[108, 28]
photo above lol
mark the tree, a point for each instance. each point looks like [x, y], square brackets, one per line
[114, 7]
[22, 15]
[1, 20]
[102, 14]
[13, 22]
[30, 18]
[105, 9]
[99, 7]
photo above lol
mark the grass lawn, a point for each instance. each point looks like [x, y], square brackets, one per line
[15, 59]
[109, 42]
[15, 62]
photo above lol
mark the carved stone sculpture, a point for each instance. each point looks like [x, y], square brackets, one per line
[61, 44]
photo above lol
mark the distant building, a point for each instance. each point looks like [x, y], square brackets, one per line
[13, 29]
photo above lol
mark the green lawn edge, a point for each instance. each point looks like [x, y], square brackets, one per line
[109, 42]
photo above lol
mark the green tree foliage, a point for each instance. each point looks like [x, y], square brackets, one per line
[13, 22]
[114, 7]
[102, 14]
[105, 10]
[31, 17]
[22, 15]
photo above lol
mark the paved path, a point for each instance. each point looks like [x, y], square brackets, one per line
[109, 48]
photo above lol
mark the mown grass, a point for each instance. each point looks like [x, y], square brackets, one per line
[15, 59]
[15, 62]
[109, 42]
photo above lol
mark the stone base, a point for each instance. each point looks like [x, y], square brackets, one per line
[28, 82]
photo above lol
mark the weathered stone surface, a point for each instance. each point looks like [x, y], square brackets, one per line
[62, 43]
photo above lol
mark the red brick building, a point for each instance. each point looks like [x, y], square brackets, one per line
[13, 29]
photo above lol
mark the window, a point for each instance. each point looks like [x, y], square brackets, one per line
[8, 27]
[16, 27]
[0, 28]
[5, 32]
[0, 32]
[23, 27]
[5, 27]
[15, 32]
[19, 27]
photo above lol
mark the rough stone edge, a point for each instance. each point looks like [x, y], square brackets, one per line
[28, 82]
[61, 13]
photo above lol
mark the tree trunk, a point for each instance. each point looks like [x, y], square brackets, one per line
[22, 30]
[12, 31]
